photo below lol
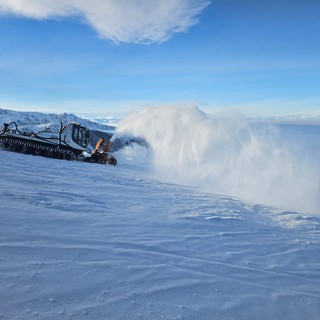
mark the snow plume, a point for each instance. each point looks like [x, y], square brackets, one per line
[227, 156]
[133, 21]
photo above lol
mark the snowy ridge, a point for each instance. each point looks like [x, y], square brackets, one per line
[37, 121]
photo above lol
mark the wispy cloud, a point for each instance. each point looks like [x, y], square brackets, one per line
[131, 21]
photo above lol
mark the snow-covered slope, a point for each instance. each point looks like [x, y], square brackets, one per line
[88, 241]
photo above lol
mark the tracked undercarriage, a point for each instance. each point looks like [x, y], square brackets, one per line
[36, 148]
[68, 143]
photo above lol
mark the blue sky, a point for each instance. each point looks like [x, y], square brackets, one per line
[105, 57]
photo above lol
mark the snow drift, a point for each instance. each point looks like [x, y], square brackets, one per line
[226, 155]
[85, 241]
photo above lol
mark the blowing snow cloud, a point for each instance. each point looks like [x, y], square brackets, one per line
[131, 21]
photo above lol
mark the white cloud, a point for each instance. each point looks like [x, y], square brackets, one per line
[132, 21]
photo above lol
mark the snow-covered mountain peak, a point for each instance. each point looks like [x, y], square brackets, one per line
[37, 121]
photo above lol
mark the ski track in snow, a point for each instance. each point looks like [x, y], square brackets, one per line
[89, 241]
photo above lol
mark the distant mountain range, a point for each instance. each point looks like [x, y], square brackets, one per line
[109, 120]
[37, 121]
[292, 118]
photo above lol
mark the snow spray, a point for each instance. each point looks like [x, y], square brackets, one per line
[225, 155]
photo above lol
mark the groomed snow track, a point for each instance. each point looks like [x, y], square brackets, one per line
[37, 148]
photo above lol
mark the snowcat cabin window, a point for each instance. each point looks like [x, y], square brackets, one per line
[80, 135]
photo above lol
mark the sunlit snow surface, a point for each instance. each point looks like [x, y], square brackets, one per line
[158, 236]
[89, 241]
